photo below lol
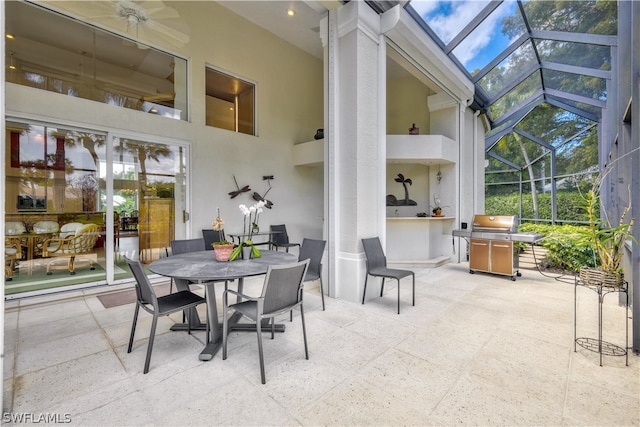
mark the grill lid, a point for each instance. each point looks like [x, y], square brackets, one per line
[495, 223]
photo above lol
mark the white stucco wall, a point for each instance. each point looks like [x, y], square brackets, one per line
[407, 104]
[289, 94]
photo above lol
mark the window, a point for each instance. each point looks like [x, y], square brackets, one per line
[230, 102]
[89, 63]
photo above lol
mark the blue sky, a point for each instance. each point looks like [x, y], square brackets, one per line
[447, 18]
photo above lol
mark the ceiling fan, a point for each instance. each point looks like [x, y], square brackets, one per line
[143, 16]
[148, 20]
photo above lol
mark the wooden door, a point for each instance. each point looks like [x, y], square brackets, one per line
[156, 223]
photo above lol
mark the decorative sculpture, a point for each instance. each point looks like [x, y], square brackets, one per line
[393, 201]
[257, 197]
[239, 190]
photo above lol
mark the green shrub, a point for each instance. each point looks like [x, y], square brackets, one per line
[570, 206]
[561, 242]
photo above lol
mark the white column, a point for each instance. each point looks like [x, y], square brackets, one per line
[355, 154]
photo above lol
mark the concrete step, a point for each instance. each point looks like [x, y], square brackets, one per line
[527, 260]
[428, 263]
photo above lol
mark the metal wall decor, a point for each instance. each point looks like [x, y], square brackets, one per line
[238, 190]
[257, 197]
[393, 200]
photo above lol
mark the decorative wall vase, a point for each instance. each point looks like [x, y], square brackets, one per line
[222, 252]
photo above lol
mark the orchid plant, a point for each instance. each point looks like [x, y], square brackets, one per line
[251, 215]
[218, 225]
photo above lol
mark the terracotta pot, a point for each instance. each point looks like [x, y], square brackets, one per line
[222, 252]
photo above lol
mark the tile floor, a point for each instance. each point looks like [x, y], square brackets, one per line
[475, 350]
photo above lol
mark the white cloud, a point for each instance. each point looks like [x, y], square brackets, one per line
[459, 14]
[479, 39]
[448, 18]
[424, 7]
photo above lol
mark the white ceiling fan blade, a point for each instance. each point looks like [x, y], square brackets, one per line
[155, 29]
[158, 10]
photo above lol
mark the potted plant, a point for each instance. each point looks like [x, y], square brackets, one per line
[437, 209]
[246, 247]
[222, 249]
[606, 241]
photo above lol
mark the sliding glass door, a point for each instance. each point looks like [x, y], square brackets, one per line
[149, 202]
[77, 201]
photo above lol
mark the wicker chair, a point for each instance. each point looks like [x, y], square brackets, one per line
[70, 244]
[12, 253]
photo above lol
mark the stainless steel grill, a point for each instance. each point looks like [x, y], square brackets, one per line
[491, 240]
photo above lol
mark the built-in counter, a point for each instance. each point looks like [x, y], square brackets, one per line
[420, 242]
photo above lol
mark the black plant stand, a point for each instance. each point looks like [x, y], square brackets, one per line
[598, 345]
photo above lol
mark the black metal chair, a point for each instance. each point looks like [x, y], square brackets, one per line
[313, 250]
[212, 236]
[281, 293]
[183, 247]
[157, 306]
[279, 238]
[377, 267]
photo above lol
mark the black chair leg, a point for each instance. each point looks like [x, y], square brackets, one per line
[259, 333]
[382, 287]
[152, 335]
[414, 288]
[304, 333]
[273, 326]
[398, 295]
[133, 327]
[322, 293]
[224, 327]
[364, 292]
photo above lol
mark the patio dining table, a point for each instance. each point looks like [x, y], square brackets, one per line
[191, 268]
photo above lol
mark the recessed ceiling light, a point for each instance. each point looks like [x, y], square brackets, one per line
[290, 12]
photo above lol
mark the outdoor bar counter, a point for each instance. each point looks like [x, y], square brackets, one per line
[418, 241]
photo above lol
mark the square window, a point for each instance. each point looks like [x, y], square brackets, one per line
[230, 102]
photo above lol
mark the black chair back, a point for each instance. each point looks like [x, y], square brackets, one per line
[374, 253]
[283, 286]
[280, 237]
[211, 236]
[313, 250]
[186, 246]
[144, 290]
